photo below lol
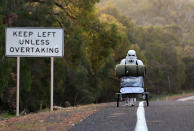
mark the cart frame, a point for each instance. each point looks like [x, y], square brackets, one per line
[145, 94]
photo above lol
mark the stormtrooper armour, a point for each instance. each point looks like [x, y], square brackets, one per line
[131, 58]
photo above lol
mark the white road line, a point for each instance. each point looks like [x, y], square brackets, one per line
[186, 98]
[141, 122]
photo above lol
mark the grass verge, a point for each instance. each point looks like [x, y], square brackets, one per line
[51, 120]
[6, 116]
[173, 96]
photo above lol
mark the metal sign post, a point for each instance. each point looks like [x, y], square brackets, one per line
[52, 79]
[18, 85]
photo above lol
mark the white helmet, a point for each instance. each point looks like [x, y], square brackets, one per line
[131, 56]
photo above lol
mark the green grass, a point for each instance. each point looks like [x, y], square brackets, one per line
[167, 96]
[6, 115]
[44, 110]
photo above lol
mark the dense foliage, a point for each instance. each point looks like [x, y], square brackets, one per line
[96, 39]
[162, 32]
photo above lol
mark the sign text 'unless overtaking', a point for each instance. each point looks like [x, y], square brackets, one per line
[34, 42]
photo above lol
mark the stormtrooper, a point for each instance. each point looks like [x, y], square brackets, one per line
[131, 58]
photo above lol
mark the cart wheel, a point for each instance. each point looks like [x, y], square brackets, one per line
[147, 99]
[118, 97]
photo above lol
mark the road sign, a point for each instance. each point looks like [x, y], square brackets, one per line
[34, 42]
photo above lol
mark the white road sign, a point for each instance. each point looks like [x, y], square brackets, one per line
[34, 42]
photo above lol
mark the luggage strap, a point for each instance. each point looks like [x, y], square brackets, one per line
[137, 67]
[125, 67]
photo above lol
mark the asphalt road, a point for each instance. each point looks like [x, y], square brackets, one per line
[159, 116]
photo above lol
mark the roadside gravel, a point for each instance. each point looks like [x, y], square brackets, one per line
[51, 121]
